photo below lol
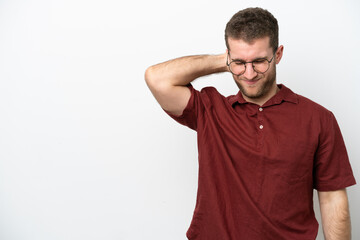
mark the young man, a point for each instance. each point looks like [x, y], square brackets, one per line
[261, 151]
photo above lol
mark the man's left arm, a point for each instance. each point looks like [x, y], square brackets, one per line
[335, 215]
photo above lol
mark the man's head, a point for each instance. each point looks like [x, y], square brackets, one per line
[251, 24]
[253, 52]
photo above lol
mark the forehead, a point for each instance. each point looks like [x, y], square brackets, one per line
[249, 50]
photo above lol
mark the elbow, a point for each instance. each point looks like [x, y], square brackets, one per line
[149, 75]
[154, 81]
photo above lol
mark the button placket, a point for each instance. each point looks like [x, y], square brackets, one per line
[260, 124]
[260, 118]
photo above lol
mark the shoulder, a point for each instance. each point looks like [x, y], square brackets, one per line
[314, 109]
[309, 109]
[211, 98]
[210, 94]
[306, 102]
[210, 90]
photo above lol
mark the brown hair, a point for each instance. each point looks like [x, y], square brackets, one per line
[253, 23]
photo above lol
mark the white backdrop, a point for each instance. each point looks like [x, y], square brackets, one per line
[85, 150]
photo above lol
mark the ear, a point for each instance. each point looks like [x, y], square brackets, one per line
[279, 53]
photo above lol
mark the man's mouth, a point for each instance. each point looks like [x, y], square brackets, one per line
[251, 82]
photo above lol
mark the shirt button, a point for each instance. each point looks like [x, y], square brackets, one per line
[261, 109]
[261, 126]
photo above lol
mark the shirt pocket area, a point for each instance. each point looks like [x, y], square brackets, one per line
[293, 161]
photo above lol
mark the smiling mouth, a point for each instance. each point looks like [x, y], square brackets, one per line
[252, 82]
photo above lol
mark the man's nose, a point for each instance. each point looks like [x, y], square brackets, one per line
[249, 73]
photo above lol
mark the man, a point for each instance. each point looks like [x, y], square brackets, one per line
[261, 151]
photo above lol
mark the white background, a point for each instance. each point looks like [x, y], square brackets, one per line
[85, 150]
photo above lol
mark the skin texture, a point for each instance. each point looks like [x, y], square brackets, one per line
[335, 214]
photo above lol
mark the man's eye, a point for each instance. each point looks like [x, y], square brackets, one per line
[239, 63]
[259, 61]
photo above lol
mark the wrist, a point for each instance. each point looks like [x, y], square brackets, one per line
[221, 62]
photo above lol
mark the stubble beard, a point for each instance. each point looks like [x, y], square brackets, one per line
[263, 89]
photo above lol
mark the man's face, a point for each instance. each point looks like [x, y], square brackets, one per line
[253, 85]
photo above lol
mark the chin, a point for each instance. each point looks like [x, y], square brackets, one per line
[257, 94]
[251, 90]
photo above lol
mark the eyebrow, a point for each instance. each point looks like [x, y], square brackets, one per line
[242, 60]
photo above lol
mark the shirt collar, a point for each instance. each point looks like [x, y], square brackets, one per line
[285, 94]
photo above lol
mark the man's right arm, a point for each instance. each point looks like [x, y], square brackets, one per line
[167, 81]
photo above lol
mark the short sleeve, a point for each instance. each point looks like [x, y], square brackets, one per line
[189, 117]
[332, 169]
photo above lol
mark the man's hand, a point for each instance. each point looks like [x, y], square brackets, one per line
[167, 81]
[335, 215]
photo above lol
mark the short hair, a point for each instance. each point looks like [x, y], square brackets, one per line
[253, 23]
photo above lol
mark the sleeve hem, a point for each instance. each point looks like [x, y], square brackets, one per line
[335, 186]
[182, 115]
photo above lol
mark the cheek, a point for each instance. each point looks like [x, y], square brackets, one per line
[270, 73]
[272, 70]
[236, 78]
